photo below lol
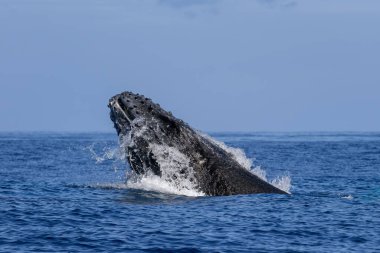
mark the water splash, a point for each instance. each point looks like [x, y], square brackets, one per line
[237, 153]
[284, 183]
[177, 176]
[176, 170]
[259, 172]
[107, 153]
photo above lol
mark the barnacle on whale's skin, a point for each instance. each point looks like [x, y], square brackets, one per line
[157, 143]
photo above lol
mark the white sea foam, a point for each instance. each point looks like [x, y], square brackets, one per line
[349, 197]
[150, 182]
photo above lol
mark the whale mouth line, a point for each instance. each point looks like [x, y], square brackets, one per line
[120, 115]
[122, 109]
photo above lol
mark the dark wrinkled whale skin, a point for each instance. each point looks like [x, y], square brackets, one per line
[216, 171]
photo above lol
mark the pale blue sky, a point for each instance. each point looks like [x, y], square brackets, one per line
[228, 65]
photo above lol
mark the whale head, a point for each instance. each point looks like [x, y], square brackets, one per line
[140, 123]
[131, 111]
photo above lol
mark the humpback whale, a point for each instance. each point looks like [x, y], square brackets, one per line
[157, 143]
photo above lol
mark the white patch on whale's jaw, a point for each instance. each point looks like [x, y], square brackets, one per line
[115, 105]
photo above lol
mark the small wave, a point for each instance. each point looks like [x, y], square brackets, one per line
[137, 195]
[106, 186]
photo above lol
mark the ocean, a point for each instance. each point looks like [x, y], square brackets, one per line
[69, 192]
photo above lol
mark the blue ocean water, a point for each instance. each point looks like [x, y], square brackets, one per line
[66, 192]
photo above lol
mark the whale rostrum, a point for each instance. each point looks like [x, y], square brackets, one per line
[158, 143]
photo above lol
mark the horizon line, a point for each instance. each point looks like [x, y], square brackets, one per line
[211, 132]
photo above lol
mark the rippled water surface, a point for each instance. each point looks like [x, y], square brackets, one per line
[67, 193]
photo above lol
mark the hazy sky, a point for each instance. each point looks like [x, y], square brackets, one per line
[232, 65]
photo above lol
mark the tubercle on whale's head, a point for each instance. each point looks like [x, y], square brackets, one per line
[128, 109]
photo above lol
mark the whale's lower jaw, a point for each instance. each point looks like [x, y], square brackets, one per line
[167, 147]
